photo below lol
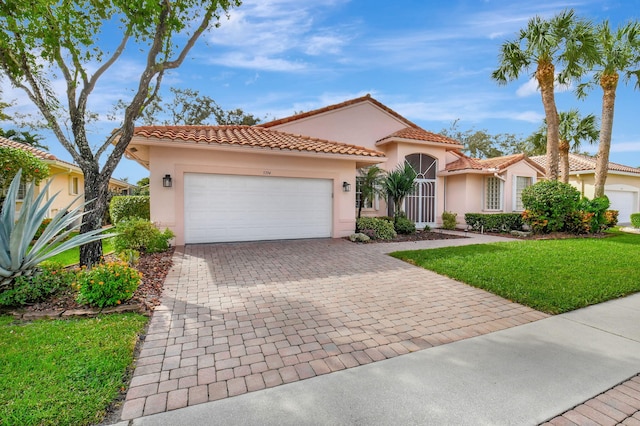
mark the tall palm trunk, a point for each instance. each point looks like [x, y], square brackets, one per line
[609, 83]
[545, 77]
[563, 150]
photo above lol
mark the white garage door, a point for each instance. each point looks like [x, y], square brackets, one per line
[223, 208]
[625, 202]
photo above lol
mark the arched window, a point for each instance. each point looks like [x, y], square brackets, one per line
[424, 165]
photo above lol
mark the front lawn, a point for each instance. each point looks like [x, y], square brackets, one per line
[72, 256]
[64, 372]
[552, 276]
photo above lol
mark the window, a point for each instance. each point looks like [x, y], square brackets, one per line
[74, 185]
[369, 203]
[22, 191]
[521, 182]
[493, 193]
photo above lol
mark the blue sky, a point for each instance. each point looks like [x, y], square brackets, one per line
[431, 61]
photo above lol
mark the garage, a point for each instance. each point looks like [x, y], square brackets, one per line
[626, 202]
[225, 208]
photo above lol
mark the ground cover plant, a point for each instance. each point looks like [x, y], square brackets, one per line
[64, 372]
[552, 276]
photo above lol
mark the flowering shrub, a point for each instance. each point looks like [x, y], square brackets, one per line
[107, 284]
[611, 218]
[49, 279]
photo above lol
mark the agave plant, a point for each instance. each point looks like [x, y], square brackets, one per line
[16, 234]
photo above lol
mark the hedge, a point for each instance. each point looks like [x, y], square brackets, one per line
[635, 220]
[497, 222]
[129, 206]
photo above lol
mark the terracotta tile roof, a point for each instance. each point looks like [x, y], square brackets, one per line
[463, 163]
[366, 98]
[417, 133]
[251, 136]
[488, 164]
[579, 163]
[38, 153]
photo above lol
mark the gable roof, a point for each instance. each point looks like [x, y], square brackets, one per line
[496, 164]
[584, 163]
[366, 98]
[419, 134]
[252, 136]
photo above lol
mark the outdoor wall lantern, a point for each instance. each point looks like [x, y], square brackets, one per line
[346, 186]
[166, 181]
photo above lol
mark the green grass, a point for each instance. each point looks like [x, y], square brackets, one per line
[64, 372]
[72, 256]
[552, 276]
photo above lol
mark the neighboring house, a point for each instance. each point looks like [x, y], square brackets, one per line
[622, 187]
[68, 179]
[296, 177]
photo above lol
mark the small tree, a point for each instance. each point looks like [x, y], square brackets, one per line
[12, 160]
[370, 184]
[398, 184]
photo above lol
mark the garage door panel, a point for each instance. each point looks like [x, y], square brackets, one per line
[221, 208]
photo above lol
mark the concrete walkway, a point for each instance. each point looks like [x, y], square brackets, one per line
[523, 375]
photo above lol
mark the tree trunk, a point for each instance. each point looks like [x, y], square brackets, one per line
[95, 188]
[545, 76]
[563, 149]
[608, 82]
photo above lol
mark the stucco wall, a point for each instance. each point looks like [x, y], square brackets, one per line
[362, 124]
[167, 204]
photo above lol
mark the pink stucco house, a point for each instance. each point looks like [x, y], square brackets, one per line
[296, 177]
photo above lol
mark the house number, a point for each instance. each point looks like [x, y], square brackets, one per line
[266, 172]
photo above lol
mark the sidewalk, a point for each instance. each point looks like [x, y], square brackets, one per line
[523, 375]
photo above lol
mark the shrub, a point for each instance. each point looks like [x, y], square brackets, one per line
[579, 222]
[449, 220]
[124, 207]
[548, 203]
[359, 238]
[107, 284]
[141, 235]
[635, 220]
[497, 222]
[382, 229]
[41, 228]
[611, 218]
[404, 226]
[51, 278]
[595, 209]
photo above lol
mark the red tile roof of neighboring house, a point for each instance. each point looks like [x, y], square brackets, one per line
[419, 134]
[366, 98]
[252, 136]
[579, 163]
[38, 153]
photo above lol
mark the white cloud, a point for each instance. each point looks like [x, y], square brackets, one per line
[531, 88]
[240, 60]
[622, 147]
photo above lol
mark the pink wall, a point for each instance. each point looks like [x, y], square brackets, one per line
[362, 124]
[167, 204]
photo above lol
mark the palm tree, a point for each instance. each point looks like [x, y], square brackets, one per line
[563, 40]
[25, 138]
[619, 52]
[370, 184]
[398, 184]
[572, 130]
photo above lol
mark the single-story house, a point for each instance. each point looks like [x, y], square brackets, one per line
[296, 177]
[68, 179]
[622, 186]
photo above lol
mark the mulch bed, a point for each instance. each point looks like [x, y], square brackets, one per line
[154, 268]
[418, 236]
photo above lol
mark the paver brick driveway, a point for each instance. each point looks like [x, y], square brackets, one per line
[242, 317]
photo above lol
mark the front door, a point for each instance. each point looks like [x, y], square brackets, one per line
[421, 205]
